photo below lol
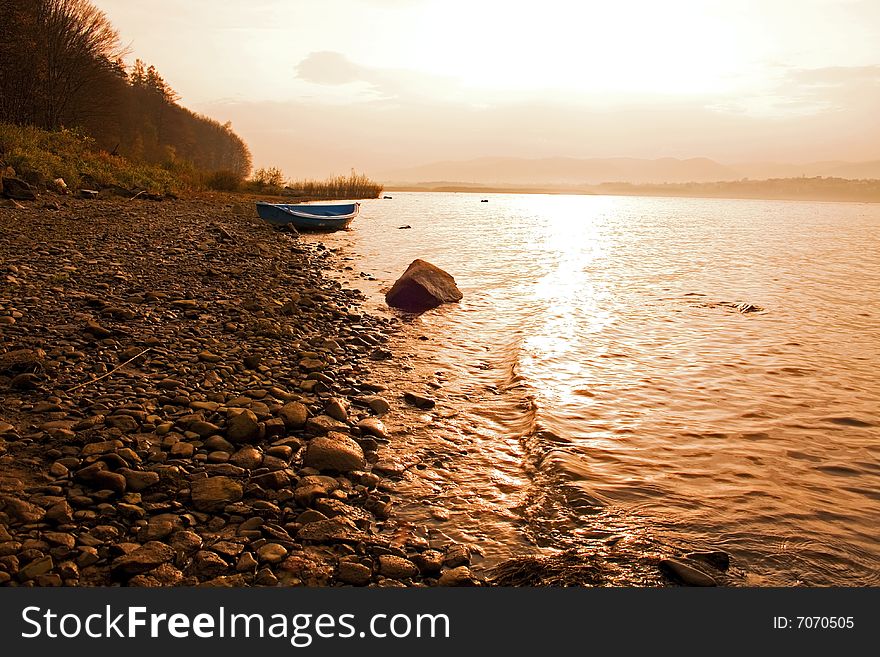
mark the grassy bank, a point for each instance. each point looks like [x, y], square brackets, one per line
[40, 156]
[352, 186]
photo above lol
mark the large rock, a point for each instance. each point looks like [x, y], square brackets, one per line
[214, 493]
[18, 189]
[422, 287]
[335, 451]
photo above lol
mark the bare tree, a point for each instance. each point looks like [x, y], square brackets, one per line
[81, 47]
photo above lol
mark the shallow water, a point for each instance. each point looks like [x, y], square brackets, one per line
[597, 386]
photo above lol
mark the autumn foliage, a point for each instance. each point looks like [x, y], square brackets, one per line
[61, 68]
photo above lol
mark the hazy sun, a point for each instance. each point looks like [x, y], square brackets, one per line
[582, 47]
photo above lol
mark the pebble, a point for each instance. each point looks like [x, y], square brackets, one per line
[144, 558]
[460, 576]
[334, 452]
[419, 401]
[243, 427]
[686, 574]
[372, 426]
[192, 463]
[214, 493]
[351, 572]
[397, 567]
[272, 553]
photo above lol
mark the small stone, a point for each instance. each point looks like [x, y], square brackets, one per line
[686, 574]
[186, 541]
[25, 381]
[102, 447]
[156, 530]
[138, 480]
[460, 576]
[419, 401]
[272, 480]
[429, 562]
[204, 429]
[21, 510]
[457, 555]
[60, 538]
[182, 450]
[310, 515]
[336, 410]
[373, 426]
[335, 452]
[247, 457]
[60, 512]
[294, 414]
[322, 424]
[377, 404]
[272, 553]
[88, 557]
[396, 567]
[58, 470]
[312, 364]
[144, 558]
[104, 479]
[351, 572]
[125, 423]
[219, 443]
[266, 578]
[313, 486]
[208, 564]
[330, 531]
[246, 563]
[243, 427]
[214, 493]
[68, 570]
[35, 568]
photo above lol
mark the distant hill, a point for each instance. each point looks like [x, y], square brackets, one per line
[564, 170]
[593, 171]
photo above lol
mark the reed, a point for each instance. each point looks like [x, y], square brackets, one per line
[353, 186]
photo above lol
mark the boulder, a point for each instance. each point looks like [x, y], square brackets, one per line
[422, 287]
[18, 190]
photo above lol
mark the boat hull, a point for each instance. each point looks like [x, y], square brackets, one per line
[305, 217]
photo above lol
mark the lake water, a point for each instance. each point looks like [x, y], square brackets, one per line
[596, 387]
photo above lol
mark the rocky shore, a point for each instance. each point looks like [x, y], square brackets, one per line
[186, 399]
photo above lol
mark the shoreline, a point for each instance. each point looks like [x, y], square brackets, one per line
[187, 400]
[646, 192]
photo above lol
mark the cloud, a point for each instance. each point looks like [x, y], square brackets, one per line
[835, 76]
[331, 68]
[334, 69]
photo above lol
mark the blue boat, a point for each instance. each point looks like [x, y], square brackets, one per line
[309, 217]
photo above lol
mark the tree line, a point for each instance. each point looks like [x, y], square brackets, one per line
[61, 66]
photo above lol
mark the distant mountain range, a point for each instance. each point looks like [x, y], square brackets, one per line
[592, 171]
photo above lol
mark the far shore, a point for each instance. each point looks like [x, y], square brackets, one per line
[850, 191]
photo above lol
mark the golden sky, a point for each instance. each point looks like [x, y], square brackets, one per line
[318, 87]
